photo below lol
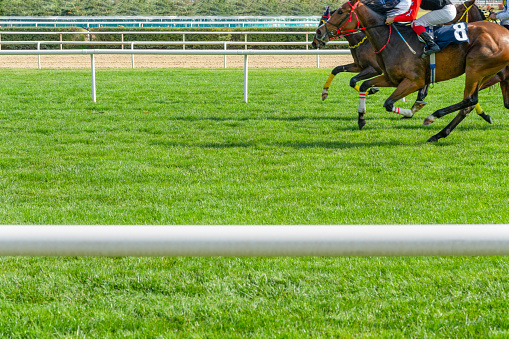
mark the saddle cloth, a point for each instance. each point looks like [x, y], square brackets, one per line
[448, 34]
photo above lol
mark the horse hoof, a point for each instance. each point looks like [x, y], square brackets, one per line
[486, 117]
[373, 90]
[418, 105]
[361, 123]
[324, 96]
[429, 120]
[433, 139]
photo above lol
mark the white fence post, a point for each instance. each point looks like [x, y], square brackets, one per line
[132, 55]
[225, 55]
[92, 66]
[39, 56]
[245, 76]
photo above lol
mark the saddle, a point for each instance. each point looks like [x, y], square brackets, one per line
[449, 34]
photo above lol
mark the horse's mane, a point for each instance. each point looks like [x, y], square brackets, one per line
[483, 15]
[380, 6]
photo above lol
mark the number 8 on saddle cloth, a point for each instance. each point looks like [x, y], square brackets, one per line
[448, 34]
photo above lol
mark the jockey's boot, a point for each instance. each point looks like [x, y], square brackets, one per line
[431, 46]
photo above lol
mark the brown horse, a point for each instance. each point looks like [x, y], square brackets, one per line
[468, 12]
[366, 64]
[484, 56]
[364, 57]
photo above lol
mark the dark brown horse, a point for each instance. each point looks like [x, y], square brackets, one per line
[366, 64]
[484, 56]
[364, 57]
[364, 60]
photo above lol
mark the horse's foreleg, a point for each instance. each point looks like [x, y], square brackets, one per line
[422, 93]
[366, 73]
[499, 77]
[353, 68]
[405, 88]
[380, 81]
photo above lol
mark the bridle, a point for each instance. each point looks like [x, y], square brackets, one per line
[339, 27]
[341, 33]
[465, 13]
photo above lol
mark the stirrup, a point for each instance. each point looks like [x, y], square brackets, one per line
[430, 51]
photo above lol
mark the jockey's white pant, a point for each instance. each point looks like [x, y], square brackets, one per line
[438, 17]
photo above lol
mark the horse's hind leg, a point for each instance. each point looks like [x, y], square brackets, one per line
[466, 105]
[504, 86]
[470, 98]
[452, 125]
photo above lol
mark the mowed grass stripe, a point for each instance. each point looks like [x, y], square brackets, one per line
[181, 147]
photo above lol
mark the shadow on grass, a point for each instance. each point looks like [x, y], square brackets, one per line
[336, 145]
[271, 118]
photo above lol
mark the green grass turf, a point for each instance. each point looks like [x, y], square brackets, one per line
[181, 147]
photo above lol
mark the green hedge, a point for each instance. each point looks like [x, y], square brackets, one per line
[4, 31]
[161, 7]
[234, 35]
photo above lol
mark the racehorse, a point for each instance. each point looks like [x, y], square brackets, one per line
[469, 12]
[484, 56]
[364, 56]
[364, 60]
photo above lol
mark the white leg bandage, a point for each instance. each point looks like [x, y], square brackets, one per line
[362, 102]
[403, 111]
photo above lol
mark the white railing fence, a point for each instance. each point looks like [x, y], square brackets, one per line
[377, 240]
[245, 53]
[132, 45]
[92, 36]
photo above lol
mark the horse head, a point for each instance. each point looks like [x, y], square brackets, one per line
[468, 12]
[340, 20]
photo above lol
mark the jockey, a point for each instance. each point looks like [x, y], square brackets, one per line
[502, 15]
[441, 12]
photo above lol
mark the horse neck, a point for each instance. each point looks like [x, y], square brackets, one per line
[473, 14]
[378, 36]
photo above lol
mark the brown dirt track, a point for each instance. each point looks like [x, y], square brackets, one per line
[173, 61]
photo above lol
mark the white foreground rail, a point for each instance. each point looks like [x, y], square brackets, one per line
[379, 240]
[245, 53]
